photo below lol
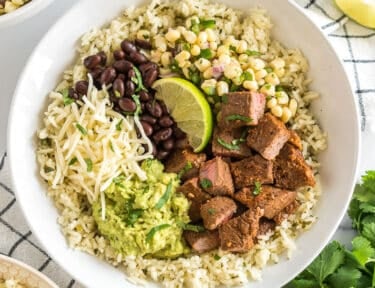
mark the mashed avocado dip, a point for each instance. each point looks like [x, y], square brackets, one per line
[145, 218]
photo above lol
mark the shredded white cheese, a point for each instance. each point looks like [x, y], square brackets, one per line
[92, 143]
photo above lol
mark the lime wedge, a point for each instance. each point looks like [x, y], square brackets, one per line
[361, 11]
[188, 107]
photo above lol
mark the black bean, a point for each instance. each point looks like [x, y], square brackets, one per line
[150, 78]
[127, 105]
[131, 74]
[81, 87]
[121, 76]
[154, 150]
[166, 121]
[178, 133]
[119, 55]
[73, 94]
[129, 88]
[95, 73]
[143, 106]
[128, 47]
[162, 135]
[147, 66]
[149, 119]
[147, 128]
[153, 107]
[91, 62]
[144, 96]
[108, 76]
[122, 66]
[162, 155]
[168, 144]
[143, 44]
[119, 87]
[103, 58]
[156, 127]
[164, 108]
[138, 58]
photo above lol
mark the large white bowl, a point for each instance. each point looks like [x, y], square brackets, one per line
[336, 111]
[26, 11]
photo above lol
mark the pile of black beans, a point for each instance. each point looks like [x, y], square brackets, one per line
[156, 121]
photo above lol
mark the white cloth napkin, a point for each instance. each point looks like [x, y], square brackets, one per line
[355, 46]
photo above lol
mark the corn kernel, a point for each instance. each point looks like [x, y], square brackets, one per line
[243, 58]
[160, 43]
[195, 50]
[280, 72]
[166, 59]
[250, 85]
[156, 56]
[212, 45]
[272, 79]
[261, 82]
[182, 56]
[190, 37]
[181, 29]
[223, 50]
[232, 71]
[9, 7]
[286, 115]
[229, 40]
[277, 63]
[257, 64]
[209, 86]
[143, 34]
[211, 35]
[181, 63]
[268, 90]
[202, 37]
[282, 97]
[241, 47]
[260, 74]
[186, 72]
[202, 64]
[277, 111]
[208, 73]
[271, 103]
[224, 59]
[222, 88]
[173, 35]
[293, 105]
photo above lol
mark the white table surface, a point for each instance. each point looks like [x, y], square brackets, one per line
[16, 44]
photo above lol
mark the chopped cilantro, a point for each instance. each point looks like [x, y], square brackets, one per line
[252, 53]
[247, 76]
[119, 124]
[211, 211]
[217, 257]
[155, 229]
[206, 53]
[229, 146]
[89, 164]
[257, 188]
[164, 199]
[81, 129]
[139, 80]
[186, 168]
[73, 161]
[190, 227]
[133, 216]
[205, 183]
[48, 169]
[268, 69]
[235, 117]
[205, 24]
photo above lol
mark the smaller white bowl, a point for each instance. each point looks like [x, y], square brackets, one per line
[26, 11]
[16, 270]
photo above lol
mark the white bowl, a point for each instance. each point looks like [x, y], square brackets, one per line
[336, 111]
[26, 11]
[24, 274]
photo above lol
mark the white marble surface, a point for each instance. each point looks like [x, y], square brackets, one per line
[16, 44]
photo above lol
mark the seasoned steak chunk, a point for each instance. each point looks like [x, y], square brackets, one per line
[251, 170]
[288, 210]
[202, 242]
[273, 200]
[185, 162]
[230, 143]
[291, 170]
[265, 226]
[195, 211]
[295, 139]
[242, 109]
[215, 177]
[238, 234]
[268, 137]
[217, 211]
[193, 191]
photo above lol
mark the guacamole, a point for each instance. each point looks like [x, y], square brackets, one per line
[145, 218]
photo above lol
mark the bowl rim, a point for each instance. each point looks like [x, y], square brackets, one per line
[28, 268]
[356, 152]
[26, 11]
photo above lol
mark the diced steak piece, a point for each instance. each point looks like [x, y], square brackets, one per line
[193, 192]
[202, 242]
[235, 139]
[238, 234]
[265, 226]
[295, 139]
[268, 137]
[291, 170]
[242, 109]
[185, 161]
[273, 200]
[251, 170]
[217, 211]
[215, 177]
[195, 211]
[288, 210]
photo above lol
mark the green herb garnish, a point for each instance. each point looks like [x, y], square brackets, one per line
[190, 227]
[211, 211]
[138, 80]
[235, 117]
[66, 99]
[268, 69]
[279, 88]
[118, 125]
[138, 103]
[73, 161]
[257, 188]
[194, 76]
[81, 129]
[205, 183]
[48, 169]
[111, 146]
[217, 257]
[186, 168]
[252, 53]
[224, 99]
[164, 199]
[155, 229]
[195, 27]
[88, 164]
[229, 146]
[174, 66]
[206, 53]
[205, 24]
[133, 216]
[247, 76]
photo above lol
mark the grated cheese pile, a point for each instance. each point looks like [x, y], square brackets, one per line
[92, 144]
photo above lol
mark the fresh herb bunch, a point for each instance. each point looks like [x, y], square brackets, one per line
[339, 267]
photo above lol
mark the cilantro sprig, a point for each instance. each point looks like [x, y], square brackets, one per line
[339, 267]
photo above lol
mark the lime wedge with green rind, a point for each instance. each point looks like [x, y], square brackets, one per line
[189, 109]
[361, 11]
